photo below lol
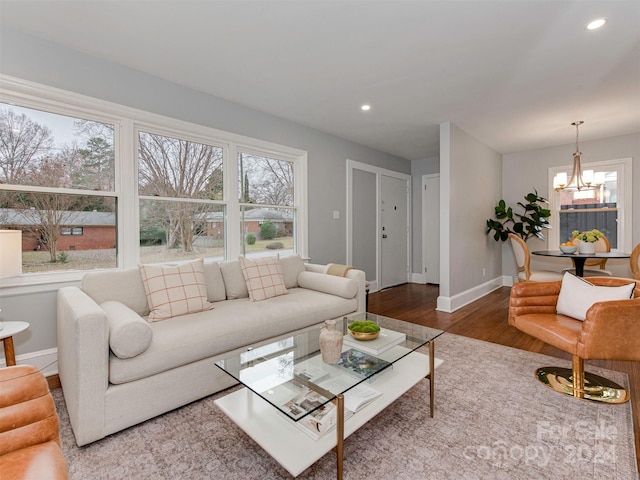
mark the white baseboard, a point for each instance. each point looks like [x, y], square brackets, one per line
[451, 304]
[44, 360]
[373, 286]
[418, 278]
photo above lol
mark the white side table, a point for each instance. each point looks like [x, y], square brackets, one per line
[9, 329]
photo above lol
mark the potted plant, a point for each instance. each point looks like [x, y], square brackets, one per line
[530, 223]
[587, 239]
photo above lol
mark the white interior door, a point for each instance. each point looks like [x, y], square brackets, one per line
[394, 232]
[431, 228]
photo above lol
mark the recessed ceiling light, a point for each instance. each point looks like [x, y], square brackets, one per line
[365, 108]
[597, 23]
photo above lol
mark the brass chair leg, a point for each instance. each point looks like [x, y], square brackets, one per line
[576, 383]
[578, 377]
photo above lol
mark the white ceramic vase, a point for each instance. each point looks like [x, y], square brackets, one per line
[330, 342]
[587, 247]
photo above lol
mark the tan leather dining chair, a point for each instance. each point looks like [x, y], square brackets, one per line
[602, 245]
[610, 331]
[635, 262]
[523, 262]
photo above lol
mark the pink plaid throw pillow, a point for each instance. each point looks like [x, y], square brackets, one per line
[264, 277]
[175, 290]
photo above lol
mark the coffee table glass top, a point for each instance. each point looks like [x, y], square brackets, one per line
[291, 368]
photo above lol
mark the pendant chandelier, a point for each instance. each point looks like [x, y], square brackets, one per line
[579, 180]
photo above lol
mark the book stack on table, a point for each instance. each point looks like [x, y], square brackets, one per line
[323, 419]
[386, 340]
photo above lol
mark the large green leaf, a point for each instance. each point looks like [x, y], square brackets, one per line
[527, 224]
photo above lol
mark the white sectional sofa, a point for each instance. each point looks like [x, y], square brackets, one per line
[118, 369]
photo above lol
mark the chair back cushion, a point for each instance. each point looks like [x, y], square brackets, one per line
[577, 295]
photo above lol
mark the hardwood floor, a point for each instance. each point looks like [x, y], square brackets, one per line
[486, 319]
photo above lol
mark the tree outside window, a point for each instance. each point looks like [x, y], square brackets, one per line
[266, 188]
[171, 170]
[48, 179]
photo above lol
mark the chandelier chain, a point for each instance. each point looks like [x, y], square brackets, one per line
[577, 124]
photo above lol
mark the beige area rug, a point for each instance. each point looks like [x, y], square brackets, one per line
[493, 421]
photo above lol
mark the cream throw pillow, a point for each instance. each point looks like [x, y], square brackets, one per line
[264, 277]
[577, 295]
[175, 290]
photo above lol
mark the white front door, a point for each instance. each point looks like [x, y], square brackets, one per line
[394, 232]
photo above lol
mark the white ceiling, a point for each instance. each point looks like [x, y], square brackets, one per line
[512, 73]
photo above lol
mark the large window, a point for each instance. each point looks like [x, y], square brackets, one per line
[92, 185]
[606, 208]
[57, 185]
[266, 187]
[171, 170]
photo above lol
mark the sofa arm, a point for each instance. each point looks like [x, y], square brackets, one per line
[360, 278]
[83, 361]
[533, 297]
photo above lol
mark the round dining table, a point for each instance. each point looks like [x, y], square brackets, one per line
[580, 258]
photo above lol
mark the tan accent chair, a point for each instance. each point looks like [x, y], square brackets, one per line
[523, 262]
[602, 245]
[635, 262]
[610, 331]
[29, 429]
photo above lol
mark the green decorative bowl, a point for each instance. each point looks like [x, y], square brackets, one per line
[364, 330]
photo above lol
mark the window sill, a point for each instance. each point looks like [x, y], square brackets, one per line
[38, 282]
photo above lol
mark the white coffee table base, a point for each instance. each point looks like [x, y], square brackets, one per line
[292, 448]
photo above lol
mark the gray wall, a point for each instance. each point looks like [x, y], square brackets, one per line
[471, 180]
[35, 60]
[524, 171]
[423, 166]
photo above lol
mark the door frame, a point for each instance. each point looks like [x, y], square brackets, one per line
[378, 172]
[426, 227]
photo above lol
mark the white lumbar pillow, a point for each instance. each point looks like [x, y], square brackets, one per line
[577, 295]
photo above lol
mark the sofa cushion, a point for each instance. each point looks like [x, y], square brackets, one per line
[129, 333]
[234, 282]
[578, 295]
[174, 290]
[214, 282]
[232, 324]
[292, 265]
[322, 282]
[124, 286]
[264, 277]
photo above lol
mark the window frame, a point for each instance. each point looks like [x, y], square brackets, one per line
[623, 166]
[299, 194]
[127, 122]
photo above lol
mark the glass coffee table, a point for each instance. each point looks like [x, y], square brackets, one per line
[298, 408]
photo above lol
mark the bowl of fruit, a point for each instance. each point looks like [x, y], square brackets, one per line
[364, 330]
[568, 247]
